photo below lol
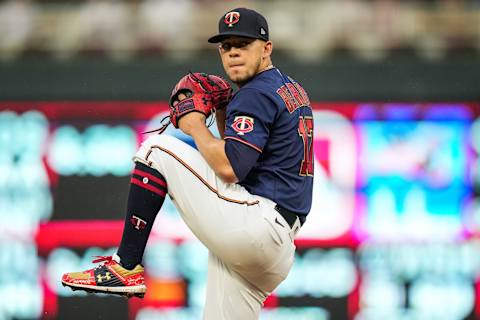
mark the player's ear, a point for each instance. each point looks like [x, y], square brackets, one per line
[267, 49]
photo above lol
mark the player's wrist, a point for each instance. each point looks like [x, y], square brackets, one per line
[191, 122]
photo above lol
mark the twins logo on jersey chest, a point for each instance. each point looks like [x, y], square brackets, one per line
[242, 125]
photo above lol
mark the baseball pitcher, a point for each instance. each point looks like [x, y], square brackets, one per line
[245, 196]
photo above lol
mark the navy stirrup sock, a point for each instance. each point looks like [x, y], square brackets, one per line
[148, 189]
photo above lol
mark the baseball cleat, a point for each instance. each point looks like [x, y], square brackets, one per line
[109, 277]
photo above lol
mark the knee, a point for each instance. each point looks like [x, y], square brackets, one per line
[153, 142]
[162, 140]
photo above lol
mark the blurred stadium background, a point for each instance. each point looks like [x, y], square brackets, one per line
[395, 223]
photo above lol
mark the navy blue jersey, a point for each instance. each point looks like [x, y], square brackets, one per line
[270, 120]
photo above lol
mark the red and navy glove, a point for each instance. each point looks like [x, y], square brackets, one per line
[205, 93]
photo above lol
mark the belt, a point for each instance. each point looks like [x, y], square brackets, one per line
[289, 216]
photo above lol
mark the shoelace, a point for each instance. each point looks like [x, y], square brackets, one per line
[99, 259]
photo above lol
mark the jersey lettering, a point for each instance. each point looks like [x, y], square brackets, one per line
[303, 94]
[305, 130]
[294, 96]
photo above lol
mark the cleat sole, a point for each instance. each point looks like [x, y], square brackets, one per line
[127, 292]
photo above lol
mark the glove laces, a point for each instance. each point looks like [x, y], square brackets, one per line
[165, 122]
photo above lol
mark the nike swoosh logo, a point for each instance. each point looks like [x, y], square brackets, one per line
[278, 222]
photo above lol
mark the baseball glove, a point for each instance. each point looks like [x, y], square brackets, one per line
[205, 93]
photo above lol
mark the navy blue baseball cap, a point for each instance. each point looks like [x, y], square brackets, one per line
[241, 22]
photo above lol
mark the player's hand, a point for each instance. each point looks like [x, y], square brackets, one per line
[191, 120]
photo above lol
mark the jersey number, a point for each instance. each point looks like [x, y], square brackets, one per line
[305, 130]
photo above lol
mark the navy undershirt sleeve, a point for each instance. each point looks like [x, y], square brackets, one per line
[242, 157]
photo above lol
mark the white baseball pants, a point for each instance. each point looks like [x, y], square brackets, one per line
[249, 253]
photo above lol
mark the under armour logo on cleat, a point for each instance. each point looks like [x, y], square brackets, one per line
[105, 277]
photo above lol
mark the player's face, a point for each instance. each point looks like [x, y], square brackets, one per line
[242, 58]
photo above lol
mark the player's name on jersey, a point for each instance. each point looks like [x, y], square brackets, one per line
[294, 96]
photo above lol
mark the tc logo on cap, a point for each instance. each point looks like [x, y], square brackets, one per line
[231, 18]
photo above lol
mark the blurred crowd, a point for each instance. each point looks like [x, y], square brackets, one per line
[308, 29]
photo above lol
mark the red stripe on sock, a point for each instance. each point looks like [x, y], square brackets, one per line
[151, 177]
[148, 187]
